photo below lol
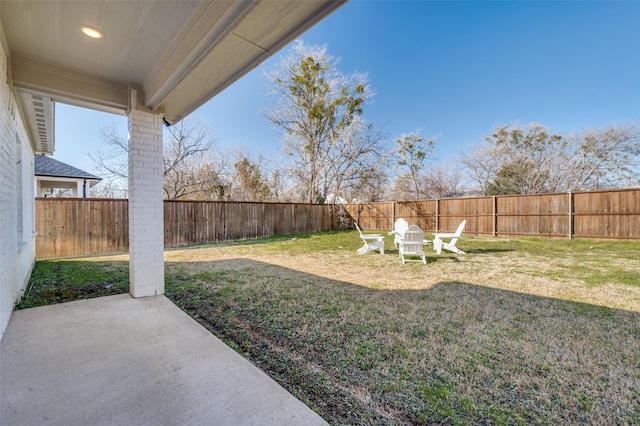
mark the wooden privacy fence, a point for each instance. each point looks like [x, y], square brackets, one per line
[193, 222]
[73, 227]
[594, 214]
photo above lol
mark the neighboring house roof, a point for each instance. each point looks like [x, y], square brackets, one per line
[47, 166]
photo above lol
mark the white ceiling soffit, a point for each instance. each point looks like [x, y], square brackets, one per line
[181, 53]
[254, 34]
[39, 114]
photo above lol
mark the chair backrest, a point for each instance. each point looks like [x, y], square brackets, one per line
[413, 240]
[458, 232]
[461, 228]
[358, 228]
[400, 226]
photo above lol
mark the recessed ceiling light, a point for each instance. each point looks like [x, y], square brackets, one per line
[90, 31]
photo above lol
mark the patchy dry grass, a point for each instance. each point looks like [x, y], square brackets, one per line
[521, 331]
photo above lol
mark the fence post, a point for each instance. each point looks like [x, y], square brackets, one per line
[570, 215]
[393, 214]
[437, 215]
[495, 216]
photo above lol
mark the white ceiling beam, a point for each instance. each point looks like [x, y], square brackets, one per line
[67, 86]
[192, 44]
[264, 28]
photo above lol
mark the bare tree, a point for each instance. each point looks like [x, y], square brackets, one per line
[60, 193]
[533, 160]
[442, 182]
[187, 149]
[355, 155]
[602, 158]
[111, 163]
[481, 166]
[189, 169]
[104, 191]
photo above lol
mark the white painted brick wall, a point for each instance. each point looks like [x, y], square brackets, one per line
[16, 260]
[8, 212]
[146, 221]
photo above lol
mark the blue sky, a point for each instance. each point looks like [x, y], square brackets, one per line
[453, 70]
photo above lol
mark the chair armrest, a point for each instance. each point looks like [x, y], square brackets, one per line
[372, 236]
[447, 235]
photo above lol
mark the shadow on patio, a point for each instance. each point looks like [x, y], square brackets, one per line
[122, 361]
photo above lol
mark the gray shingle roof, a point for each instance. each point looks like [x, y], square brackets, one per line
[47, 166]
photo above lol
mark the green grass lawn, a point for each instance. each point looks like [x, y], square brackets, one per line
[517, 331]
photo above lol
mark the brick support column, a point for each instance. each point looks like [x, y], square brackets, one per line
[146, 211]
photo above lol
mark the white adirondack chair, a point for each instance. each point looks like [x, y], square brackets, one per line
[439, 244]
[399, 228]
[372, 242]
[412, 244]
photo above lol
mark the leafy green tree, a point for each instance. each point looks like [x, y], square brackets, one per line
[251, 184]
[518, 178]
[527, 159]
[412, 151]
[370, 185]
[516, 161]
[319, 109]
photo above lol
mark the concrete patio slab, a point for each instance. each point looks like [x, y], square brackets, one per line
[122, 361]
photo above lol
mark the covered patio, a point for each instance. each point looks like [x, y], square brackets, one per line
[117, 360]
